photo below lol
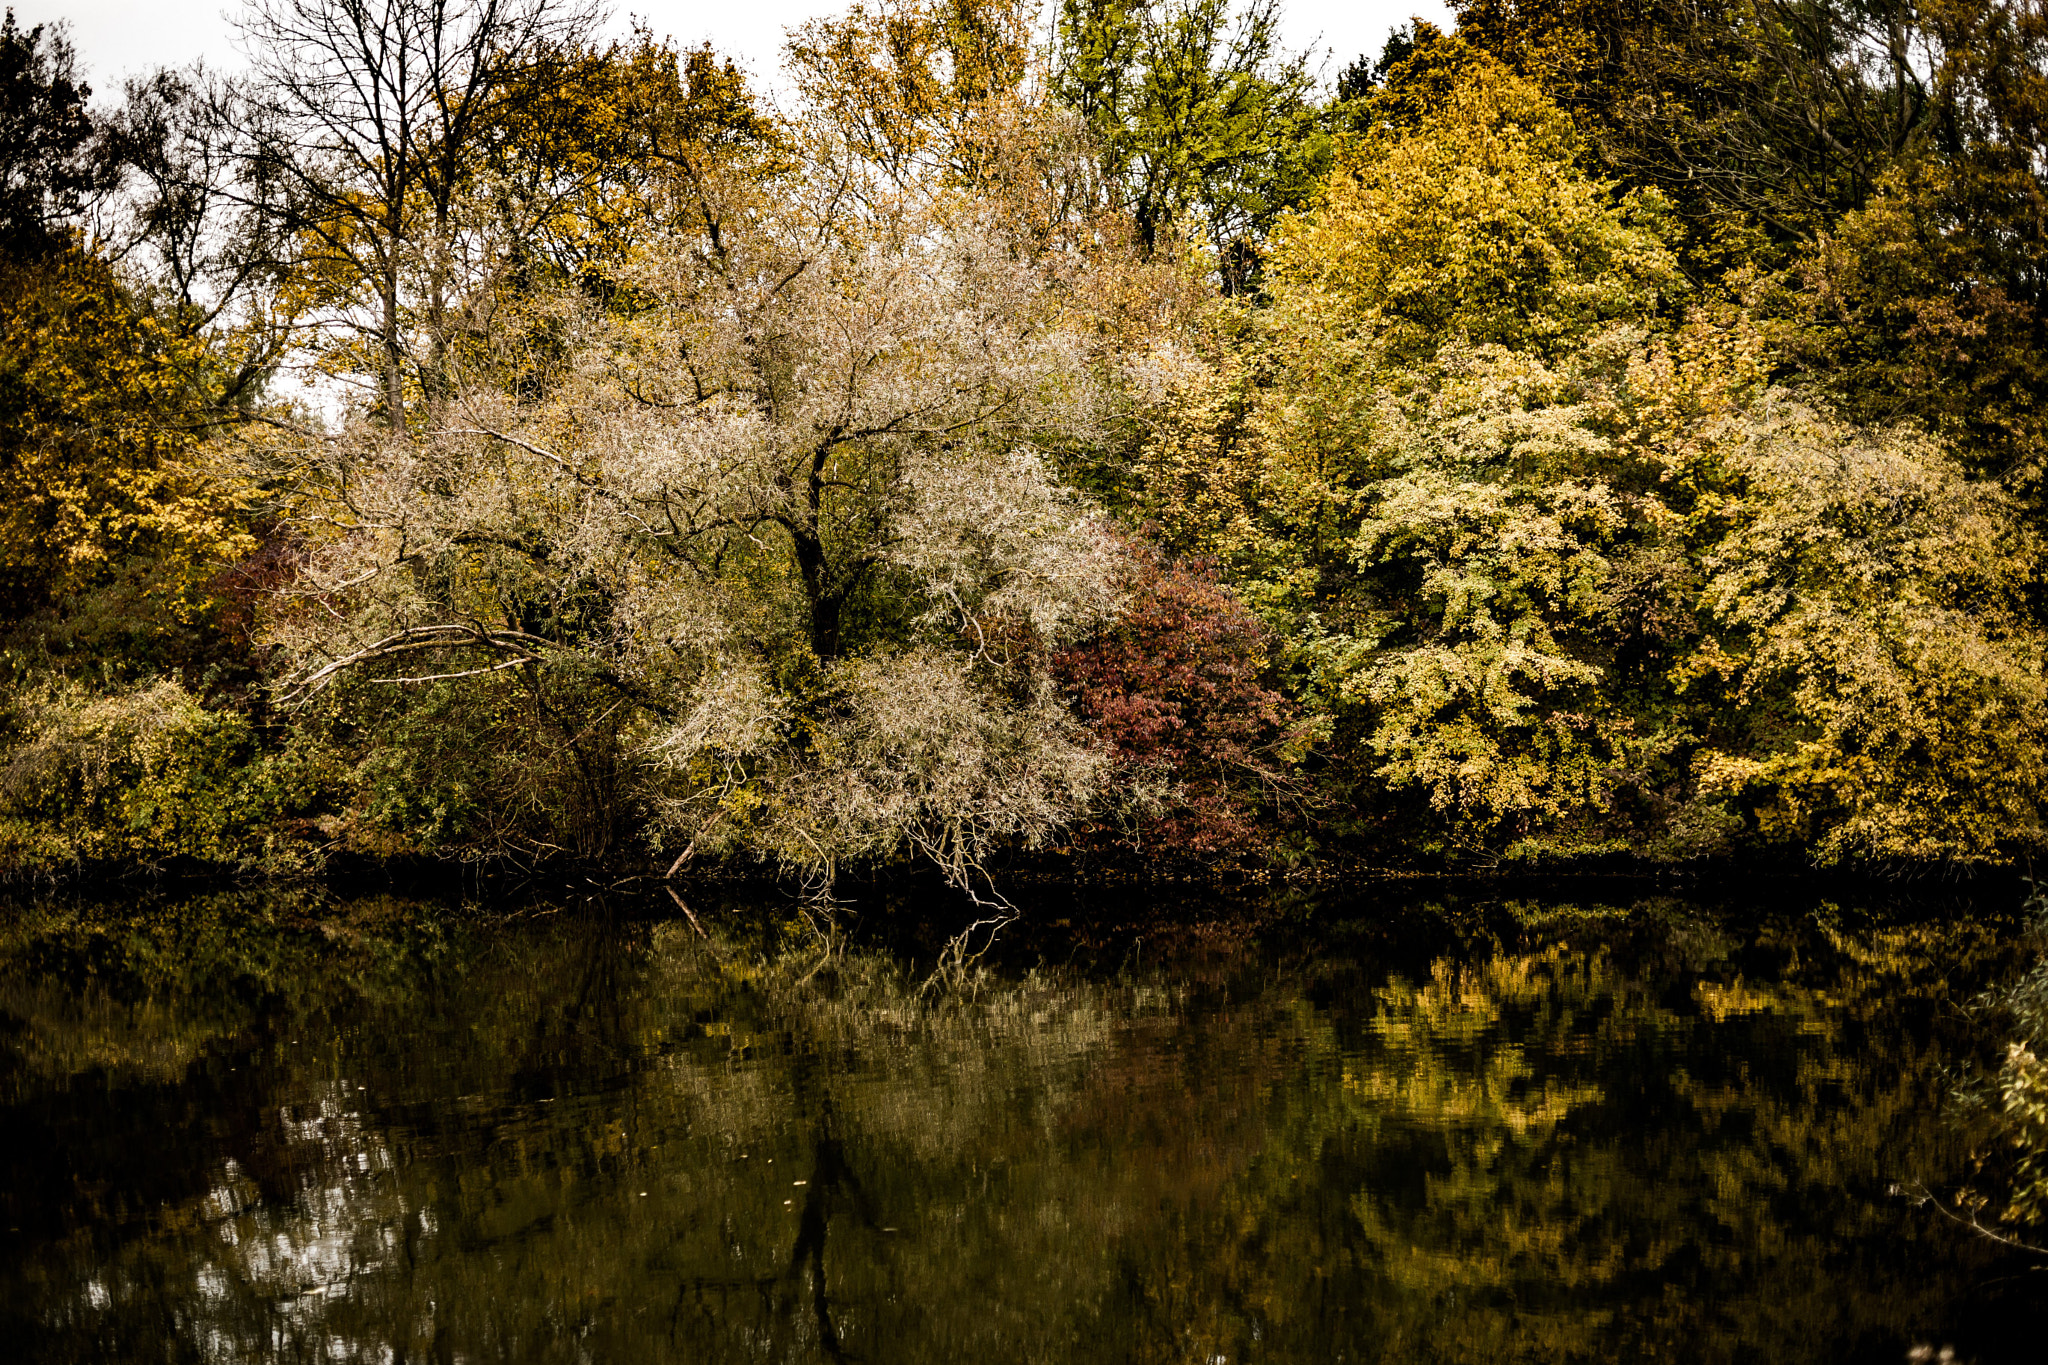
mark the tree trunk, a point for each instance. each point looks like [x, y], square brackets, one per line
[394, 354]
[435, 382]
[826, 603]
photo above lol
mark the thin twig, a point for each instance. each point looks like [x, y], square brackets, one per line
[466, 673]
[1970, 1222]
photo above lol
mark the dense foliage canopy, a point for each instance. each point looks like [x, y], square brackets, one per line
[1589, 432]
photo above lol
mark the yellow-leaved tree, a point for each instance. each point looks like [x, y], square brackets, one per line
[103, 484]
[1561, 570]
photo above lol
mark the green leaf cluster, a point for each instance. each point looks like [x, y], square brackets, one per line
[1203, 121]
[148, 777]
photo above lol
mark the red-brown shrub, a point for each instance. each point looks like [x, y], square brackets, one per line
[1174, 688]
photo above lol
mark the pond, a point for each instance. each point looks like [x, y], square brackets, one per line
[294, 1126]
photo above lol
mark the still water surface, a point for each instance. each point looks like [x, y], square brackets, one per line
[286, 1126]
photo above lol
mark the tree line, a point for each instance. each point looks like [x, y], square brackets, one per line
[1067, 436]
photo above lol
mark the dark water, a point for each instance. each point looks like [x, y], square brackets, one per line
[288, 1127]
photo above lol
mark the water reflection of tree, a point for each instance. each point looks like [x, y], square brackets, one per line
[1577, 1136]
[1605, 1150]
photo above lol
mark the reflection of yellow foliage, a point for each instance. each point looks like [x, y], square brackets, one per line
[1444, 1166]
[64, 1034]
[1446, 1057]
[1725, 1001]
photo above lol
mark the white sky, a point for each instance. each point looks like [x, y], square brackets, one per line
[116, 38]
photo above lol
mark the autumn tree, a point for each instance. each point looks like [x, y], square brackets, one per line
[100, 486]
[925, 97]
[1878, 161]
[1174, 688]
[101, 472]
[604, 144]
[1566, 576]
[920, 91]
[372, 115]
[783, 545]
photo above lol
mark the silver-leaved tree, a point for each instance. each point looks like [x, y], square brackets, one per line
[764, 552]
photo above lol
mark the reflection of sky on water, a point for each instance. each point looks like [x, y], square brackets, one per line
[343, 1224]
